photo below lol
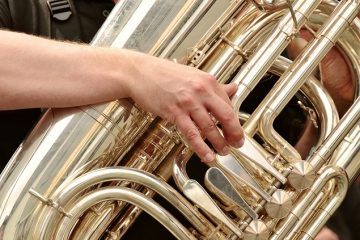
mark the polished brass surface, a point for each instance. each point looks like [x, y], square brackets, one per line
[88, 172]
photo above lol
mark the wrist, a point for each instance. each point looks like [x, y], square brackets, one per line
[114, 67]
[135, 62]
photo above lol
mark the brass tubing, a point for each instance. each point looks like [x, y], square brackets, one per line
[213, 32]
[169, 35]
[164, 171]
[318, 96]
[132, 175]
[122, 194]
[327, 210]
[347, 122]
[308, 197]
[309, 214]
[133, 212]
[294, 77]
[230, 58]
[91, 228]
[186, 25]
[348, 156]
[152, 150]
[179, 168]
[271, 6]
[126, 220]
[241, 33]
[260, 62]
[305, 64]
[128, 217]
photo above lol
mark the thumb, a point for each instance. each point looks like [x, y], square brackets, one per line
[230, 88]
[295, 47]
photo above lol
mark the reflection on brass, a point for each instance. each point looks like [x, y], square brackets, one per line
[257, 230]
[280, 204]
[88, 172]
[302, 175]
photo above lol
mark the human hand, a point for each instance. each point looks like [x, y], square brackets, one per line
[335, 73]
[326, 234]
[187, 97]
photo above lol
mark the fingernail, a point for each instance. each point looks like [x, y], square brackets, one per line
[209, 157]
[225, 151]
[240, 143]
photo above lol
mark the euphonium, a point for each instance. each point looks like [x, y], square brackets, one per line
[88, 172]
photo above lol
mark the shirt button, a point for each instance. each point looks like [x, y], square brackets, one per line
[105, 13]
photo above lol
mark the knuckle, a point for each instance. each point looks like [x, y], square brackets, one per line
[209, 127]
[177, 116]
[228, 116]
[202, 151]
[169, 118]
[200, 87]
[191, 134]
[210, 79]
[171, 114]
[185, 99]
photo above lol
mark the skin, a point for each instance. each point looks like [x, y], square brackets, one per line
[181, 95]
[336, 77]
[37, 72]
[326, 234]
[335, 73]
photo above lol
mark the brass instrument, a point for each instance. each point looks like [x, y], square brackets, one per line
[85, 169]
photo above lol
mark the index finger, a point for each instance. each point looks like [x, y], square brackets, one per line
[229, 121]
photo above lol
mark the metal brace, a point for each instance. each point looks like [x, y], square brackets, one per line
[49, 202]
[311, 113]
[172, 133]
[296, 24]
[196, 56]
[238, 49]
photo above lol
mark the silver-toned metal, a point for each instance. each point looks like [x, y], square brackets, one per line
[349, 149]
[66, 166]
[280, 204]
[270, 5]
[295, 76]
[311, 113]
[252, 152]
[66, 195]
[197, 194]
[303, 207]
[214, 178]
[49, 202]
[302, 175]
[260, 62]
[348, 121]
[257, 230]
[234, 169]
[123, 194]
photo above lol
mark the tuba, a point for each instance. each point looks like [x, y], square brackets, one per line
[88, 172]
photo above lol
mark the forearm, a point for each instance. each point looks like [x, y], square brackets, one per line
[43, 73]
[36, 72]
